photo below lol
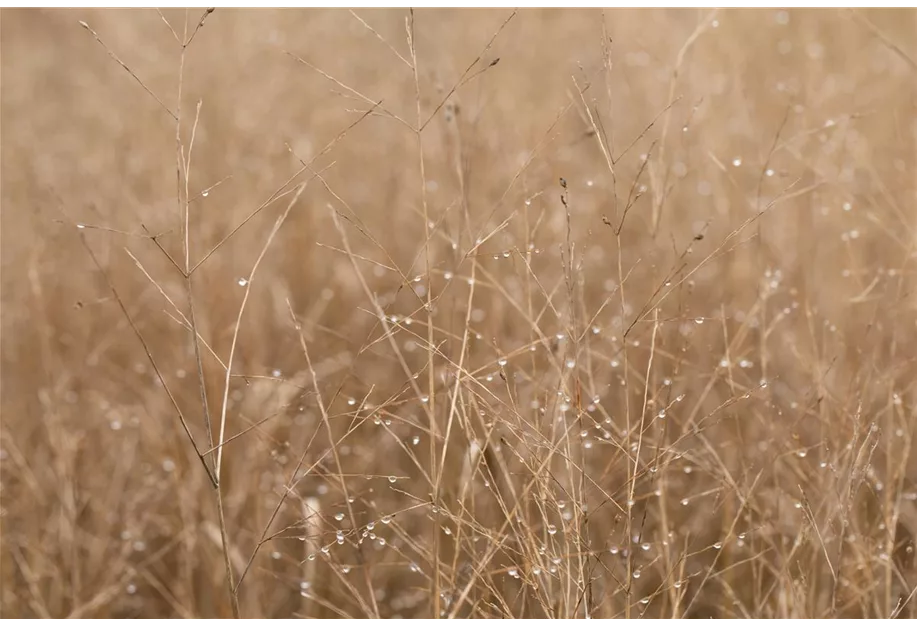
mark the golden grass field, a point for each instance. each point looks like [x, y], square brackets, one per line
[548, 313]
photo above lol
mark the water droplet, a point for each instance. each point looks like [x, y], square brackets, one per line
[615, 363]
[392, 479]
[424, 399]
[644, 600]
[501, 361]
[717, 545]
[243, 282]
[678, 584]
[737, 162]
[645, 546]
[637, 574]
[415, 440]
[661, 413]
[276, 555]
[699, 321]
[371, 525]
[205, 193]
[847, 205]
[339, 537]
[684, 501]
[679, 398]
[351, 401]
[571, 363]
[386, 520]
[131, 588]
[311, 557]
[339, 516]
[326, 550]
[552, 529]
[614, 550]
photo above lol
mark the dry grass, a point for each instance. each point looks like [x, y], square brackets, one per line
[621, 325]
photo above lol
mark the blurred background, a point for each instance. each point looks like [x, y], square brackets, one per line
[609, 313]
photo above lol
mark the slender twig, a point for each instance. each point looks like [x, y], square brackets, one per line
[128, 70]
[149, 354]
[235, 337]
[464, 78]
[278, 193]
[886, 41]
[381, 38]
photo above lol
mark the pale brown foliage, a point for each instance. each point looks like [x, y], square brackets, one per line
[627, 328]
